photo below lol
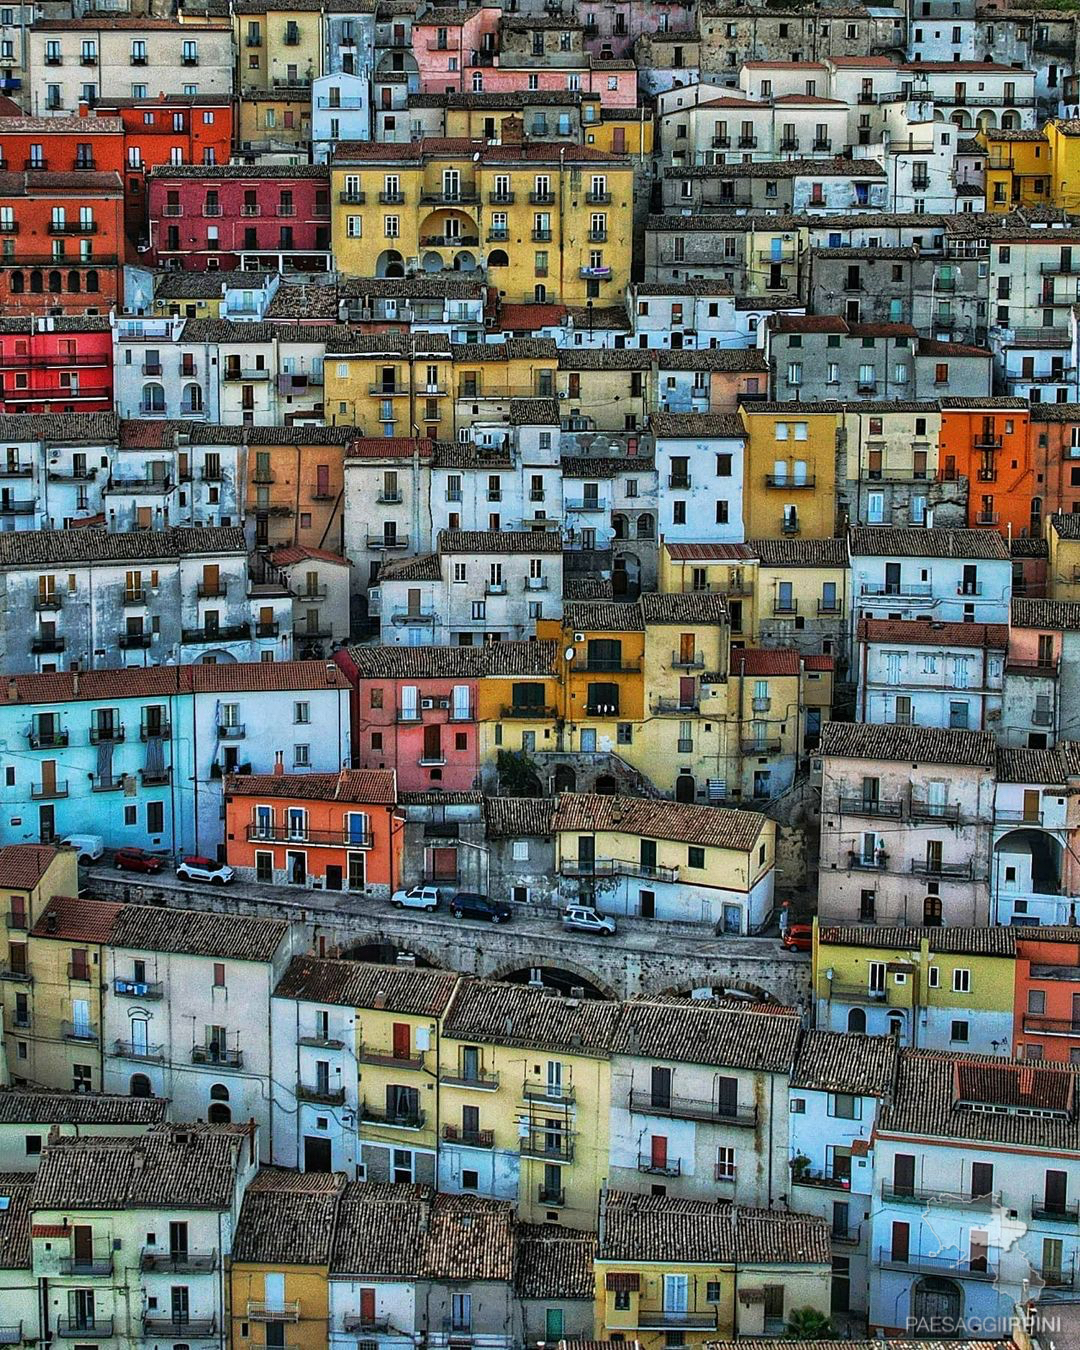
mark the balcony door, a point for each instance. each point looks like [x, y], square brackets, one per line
[676, 1292]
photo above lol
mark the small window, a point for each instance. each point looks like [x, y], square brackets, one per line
[695, 857]
[933, 978]
[845, 1106]
[798, 1106]
[219, 974]
[959, 1032]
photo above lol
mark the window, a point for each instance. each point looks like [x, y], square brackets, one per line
[959, 1032]
[844, 1106]
[219, 974]
[695, 857]
[301, 712]
[1036, 1001]
[961, 981]
[302, 756]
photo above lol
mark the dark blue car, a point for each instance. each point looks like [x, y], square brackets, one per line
[469, 905]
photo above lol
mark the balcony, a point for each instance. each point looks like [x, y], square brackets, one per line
[783, 609]
[151, 731]
[460, 197]
[917, 589]
[107, 732]
[234, 632]
[144, 989]
[78, 1031]
[44, 792]
[541, 199]
[1051, 1026]
[830, 607]
[258, 1311]
[217, 1056]
[1058, 1211]
[670, 1167]
[106, 782]
[926, 810]
[47, 740]
[548, 1146]
[823, 1177]
[391, 199]
[943, 1199]
[977, 1268]
[11, 1335]
[721, 142]
[187, 1328]
[783, 480]
[539, 712]
[607, 867]
[955, 871]
[764, 745]
[388, 541]
[83, 1328]
[453, 1134]
[690, 1108]
[860, 862]
[132, 641]
[322, 1094]
[384, 389]
[10, 508]
[133, 1050]
[480, 1079]
[598, 198]
[80, 1265]
[247, 373]
[367, 1326]
[554, 1196]
[394, 1120]
[212, 590]
[602, 665]
[668, 1317]
[72, 227]
[870, 806]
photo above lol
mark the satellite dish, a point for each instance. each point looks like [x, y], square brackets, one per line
[569, 654]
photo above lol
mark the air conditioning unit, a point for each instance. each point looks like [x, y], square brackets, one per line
[579, 637]
[444, 703]
[427, 703]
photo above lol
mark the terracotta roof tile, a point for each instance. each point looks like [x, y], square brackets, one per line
[23, 865]
[934, 633]
[834, 1061]
[42, 1106]
[716, 1032]
[69, 919]
[887, 541]
[360, 984]
[375, 787]
[554, 1263]
[919, 745]
[713, 826]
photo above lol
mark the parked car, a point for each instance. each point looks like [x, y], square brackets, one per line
[469, 905]
[798, 937]
[138, 860]
[195, 868]
[586, 919]
[90, 847]
[417, 897]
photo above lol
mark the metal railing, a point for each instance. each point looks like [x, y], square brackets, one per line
[690, 1108]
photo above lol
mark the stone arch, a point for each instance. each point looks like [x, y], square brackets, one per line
[684, 990]
[587, 978]
[390, 263]
[381, 949]
[565, 778]
[498, 257]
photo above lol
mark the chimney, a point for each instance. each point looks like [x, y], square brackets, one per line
[84, 108]
[13, 689]
[50, 921]
[279, 763]
[75, 684]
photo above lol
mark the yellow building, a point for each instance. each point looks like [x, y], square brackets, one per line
[278, 44]
[802, 599]
[729, 570]
[789, 482]
[549, 222]
[608, 385]
[281, 1251]
[888, 443]
[902, 981]
[524, 1085]
[60, 1022]
[667, 860]
[706, 1270]
[30, 876]
[488, 375]
[519, 700]
[622, 130]
[1018, 169]
[276, 120]
[1063, 564]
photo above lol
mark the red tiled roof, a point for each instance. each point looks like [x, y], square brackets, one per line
[378, 447]
[147, 681]
[819, 661]
[754, 661]
[531, 317]
[879, 62]
[929, 632]
[294, 553]
[808, 323]
[885, 330]
[934, 347]
[77, 920]
[49, 1230]
[372, 786]
[710, 552]
[944, 67]
[91, 522]
[23, 865]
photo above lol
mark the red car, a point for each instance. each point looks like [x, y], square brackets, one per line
[138, 860]
[798, 937]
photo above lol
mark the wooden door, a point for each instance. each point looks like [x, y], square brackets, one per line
[402, 1040]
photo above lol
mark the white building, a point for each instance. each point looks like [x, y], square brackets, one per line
[340, 111]
[700, 461]
[319, 583]
[1031, 839]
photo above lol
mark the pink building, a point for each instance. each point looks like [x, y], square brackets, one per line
[614, 82]
[414, 710]
[274, 215]
[450, 44]
[610, 29]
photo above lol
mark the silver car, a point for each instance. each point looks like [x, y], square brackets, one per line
[585, 919]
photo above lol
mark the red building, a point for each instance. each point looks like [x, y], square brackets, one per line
[56, 365]
[274, 216]
[62, 144]
[167, 130]
[61, 242]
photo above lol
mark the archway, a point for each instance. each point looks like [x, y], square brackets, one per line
[936, 1304]
[390, 263]
[567, 978]
[685, 788]
[498, 257]
[856, 1021]
[1027, 861]
[139, 1086]
[565, 778]
[384, 952]
[986, 120]
[465, 262]
[962, 120]
[606, 785]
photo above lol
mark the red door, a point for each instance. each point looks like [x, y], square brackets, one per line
[402, 1041]
[367, 1307]
[658, 1147]
[618, 140]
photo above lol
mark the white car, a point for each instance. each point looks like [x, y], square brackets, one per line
[417, 897]
[90, 847]
[588, 920]
[196, 868]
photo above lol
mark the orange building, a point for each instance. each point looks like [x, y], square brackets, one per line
[1047, 1002]
[988, 442]
[336, 831]
[296, 484]
[1055, 453]
[62, 241]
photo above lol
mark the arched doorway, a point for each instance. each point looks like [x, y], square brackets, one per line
[390, 263]
[219, 1112]
[931, 911]
[685, 790]
[606, 786]
[936, 1303]
[565, 778]
[856, 1021]
[139, 1085]
[896, 1024]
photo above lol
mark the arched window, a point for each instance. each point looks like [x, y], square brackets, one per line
[618, 525]
[153, 398]
[74, 282]
[139, 1085]
[56, 282]
[645, 526]
[37, 283]
[219, 1112]
[92, 280]
[498, 258]
[896, 1024]
[856, 1020]
[540, 294]
[219, 1093]
[18, 283]
[1036, 516]
[477, 82]
[192, 400]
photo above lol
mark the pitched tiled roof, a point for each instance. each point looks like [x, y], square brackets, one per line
[498, 541]
[1067, 526]
[999, 941]
[436, 797]
[582, 587]
[197, 932]
[603, 616]
[511, 817]
[700, 425]
[526, 657]
[605, 466]
[23, 865]
[296, 553]
[715, 826]
[636, 1228]
[41, 1106]
[554, 1262]
[733, 553]
[16, 1189]
[707, 1031]
[1039, 613]
[288, 1218]
[57, 548]
[151, 681]
[887, 541]
[1046, 767]
[534, 412]
[801, 552]
[515, 1015]
[836, 1061]
[778, 661]
[1028, 1104]
[169, 1167]
[190, 285]
[425, 567]
[837, 167]
[77, 920]
[362, 984]
[934, 633]
[920, 745]
[369, 786]
[683, 607]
